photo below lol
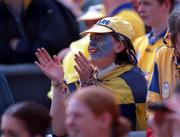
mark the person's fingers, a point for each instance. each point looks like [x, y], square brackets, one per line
[46, 54]
[42, 55]
[81, 62]
[85, 67]
[39, 66]
[40, 59]
[56, 60]
[77, 69]
[86, 62]
[44, 70]
[83, 57]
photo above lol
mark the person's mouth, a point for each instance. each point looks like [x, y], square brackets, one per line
[92, 50]
[143, 16]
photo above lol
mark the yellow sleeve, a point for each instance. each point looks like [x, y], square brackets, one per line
[81, 45]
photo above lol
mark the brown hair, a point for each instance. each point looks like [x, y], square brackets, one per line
[172, 2]
[35, 117]
[100, 101]
[174, 24]
[128, 55]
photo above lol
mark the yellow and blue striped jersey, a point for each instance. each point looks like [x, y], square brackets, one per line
[130, 94]
[163, 78]
[129, 88]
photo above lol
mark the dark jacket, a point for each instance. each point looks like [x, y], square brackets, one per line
[45, 23]
[6, 98]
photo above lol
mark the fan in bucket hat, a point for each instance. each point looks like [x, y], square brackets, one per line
[94, 12]
[112, 24]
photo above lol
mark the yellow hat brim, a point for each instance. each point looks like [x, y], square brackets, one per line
[96, 29]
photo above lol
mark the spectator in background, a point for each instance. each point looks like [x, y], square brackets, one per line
[167, 63]
[6, 98]
[88, 3]
[26, 25]
[166, 122]
[85, 7]
[112, 65]
[25, 119]
[155, 15]
[92, 112]
[126, 10]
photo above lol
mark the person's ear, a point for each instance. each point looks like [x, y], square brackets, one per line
[119, 47]
[167, 5]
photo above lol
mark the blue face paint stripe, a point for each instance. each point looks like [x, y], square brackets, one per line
[103, 43]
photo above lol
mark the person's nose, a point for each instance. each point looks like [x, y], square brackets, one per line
[141, 8]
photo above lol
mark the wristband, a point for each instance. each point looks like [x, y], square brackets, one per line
[58, 83]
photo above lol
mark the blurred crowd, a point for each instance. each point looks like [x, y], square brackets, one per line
[114, 67]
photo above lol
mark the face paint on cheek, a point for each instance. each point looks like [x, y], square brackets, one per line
[104, 47]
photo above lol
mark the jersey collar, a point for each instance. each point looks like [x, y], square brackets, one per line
[152, 39]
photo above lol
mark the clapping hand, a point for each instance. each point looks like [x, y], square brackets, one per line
[51, 67]
[83, 67]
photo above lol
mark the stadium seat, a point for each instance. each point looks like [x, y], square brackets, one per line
[27, 83]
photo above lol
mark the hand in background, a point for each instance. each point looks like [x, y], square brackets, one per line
[162, 127]
[51, 67]
[13, 43]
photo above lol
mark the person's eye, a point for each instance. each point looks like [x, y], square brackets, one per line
[91, 38]
[147, 4]
[100, 38]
